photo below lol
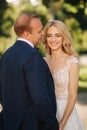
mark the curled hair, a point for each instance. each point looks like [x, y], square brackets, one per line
[67, 39]
[22, 23]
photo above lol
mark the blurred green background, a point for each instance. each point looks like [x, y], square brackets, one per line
[72, 12]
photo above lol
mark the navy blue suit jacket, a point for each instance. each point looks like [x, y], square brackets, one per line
[27, 89]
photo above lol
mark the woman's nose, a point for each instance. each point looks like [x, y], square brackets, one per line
[53, 39]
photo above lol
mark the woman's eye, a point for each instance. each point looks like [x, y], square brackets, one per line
[58, 35]
[48, 36]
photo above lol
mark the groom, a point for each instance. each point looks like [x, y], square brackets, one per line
[27, 89]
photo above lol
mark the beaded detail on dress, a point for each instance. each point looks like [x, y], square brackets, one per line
[61, 79]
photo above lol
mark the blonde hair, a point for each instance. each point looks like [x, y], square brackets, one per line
[67, 39]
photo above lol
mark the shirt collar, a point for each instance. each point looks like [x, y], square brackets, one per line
[22, 39]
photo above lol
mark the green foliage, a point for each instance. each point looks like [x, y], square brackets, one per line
[73, 2]
[41, 49]
[78, 10]
[72, 12]
[83, 74]
[70, 8]
[3, 8]
[82, 86]
[76, 32]
[47, 2]
[3, 4]
[43, 13]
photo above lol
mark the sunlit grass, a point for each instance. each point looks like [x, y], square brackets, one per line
[83, 79]
[82, 86]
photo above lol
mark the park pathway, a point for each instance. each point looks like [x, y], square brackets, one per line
[81, 106]
[81, 103]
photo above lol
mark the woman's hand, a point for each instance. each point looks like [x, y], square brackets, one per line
[1, 108]
[61, 126]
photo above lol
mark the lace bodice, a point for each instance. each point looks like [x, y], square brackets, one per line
[61, 79]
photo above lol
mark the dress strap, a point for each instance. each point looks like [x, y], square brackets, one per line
[71, 60]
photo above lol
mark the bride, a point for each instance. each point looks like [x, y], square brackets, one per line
[63, 62]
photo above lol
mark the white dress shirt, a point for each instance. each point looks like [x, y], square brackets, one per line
[22, 39]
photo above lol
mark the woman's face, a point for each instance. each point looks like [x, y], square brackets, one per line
[54, 38]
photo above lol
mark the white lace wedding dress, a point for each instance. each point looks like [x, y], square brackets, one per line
[61, 80]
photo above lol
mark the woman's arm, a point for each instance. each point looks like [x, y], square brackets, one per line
[73, 88]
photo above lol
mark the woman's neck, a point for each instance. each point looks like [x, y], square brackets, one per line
[57, 54]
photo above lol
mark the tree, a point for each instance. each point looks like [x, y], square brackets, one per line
[74, 14]
[3, 8]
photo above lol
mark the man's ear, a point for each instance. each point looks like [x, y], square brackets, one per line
[26, 35]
